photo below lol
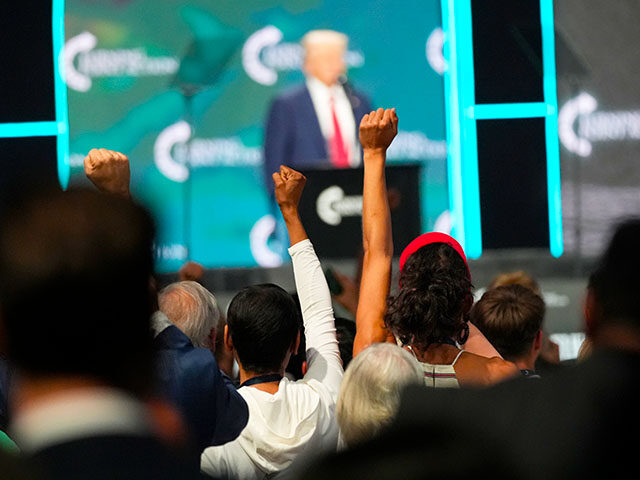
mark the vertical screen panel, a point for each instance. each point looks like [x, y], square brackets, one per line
[27, 79]
[507, 51]
[512, 172]
[27, 164]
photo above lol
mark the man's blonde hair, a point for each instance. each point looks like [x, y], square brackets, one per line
[324, 37]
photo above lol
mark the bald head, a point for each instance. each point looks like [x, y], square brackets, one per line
[324, 55]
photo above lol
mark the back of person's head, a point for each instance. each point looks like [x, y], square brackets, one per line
[263, 323]
[370, 392]
[616, 281]
[434, 297]
[518, 277]
[193, 309]
[510, 317]
[346, 334]
[75, 272]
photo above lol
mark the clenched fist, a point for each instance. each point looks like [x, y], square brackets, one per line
[288, 187]
[378, 129]
[108, 170]
[191, 271]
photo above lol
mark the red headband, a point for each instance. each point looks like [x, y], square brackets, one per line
[429, 238]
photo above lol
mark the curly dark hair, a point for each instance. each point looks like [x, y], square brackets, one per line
[430, 306]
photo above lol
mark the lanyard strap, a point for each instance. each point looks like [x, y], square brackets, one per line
[271, 377]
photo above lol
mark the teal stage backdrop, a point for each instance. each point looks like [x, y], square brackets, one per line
[168, 82]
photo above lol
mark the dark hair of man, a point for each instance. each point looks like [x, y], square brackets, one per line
[616, 282]
[430, 304]
[263, 323]
[294, 367]
[510, 317]
[346, 334]
[74, 288]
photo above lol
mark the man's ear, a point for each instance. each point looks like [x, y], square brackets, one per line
[537, 341]
[228, 343]
[591, 313]
[296, 345]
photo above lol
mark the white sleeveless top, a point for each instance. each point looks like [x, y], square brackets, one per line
[441, 376]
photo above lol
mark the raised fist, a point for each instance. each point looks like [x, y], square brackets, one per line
[191, 271]
[378, 129]
[288, 187]
[108, 170]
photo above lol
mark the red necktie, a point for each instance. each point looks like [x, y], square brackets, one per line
[337, 150]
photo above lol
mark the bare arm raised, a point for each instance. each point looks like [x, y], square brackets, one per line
[377, 131]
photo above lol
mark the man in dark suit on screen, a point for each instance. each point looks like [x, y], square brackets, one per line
[315, 125]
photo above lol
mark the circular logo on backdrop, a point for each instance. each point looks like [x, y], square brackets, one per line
[580, 124]
[83, 62]
[434, 51]
[264, 55]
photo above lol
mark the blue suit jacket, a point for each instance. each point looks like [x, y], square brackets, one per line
[293, 136]
[189, 377]
[5, 382]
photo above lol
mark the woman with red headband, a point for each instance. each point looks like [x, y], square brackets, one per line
[429, 313]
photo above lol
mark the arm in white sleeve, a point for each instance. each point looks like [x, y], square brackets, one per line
[323, 355]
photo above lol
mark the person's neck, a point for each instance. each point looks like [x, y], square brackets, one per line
[30, 391]
[618, 337]
[317, 80]
[269, 387]
[526, 363]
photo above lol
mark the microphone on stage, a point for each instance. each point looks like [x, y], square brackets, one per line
[348, 89]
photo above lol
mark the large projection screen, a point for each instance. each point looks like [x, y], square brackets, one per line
[125, 63]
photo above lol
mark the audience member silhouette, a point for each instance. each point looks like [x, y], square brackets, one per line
[74, 283]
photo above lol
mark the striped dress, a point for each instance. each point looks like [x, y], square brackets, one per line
[441, 376]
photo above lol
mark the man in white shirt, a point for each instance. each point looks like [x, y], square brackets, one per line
[315, 125]
[287, 419]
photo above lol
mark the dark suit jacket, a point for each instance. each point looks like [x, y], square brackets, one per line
[190, 378]
[5, 382]
[122, 457]
[293, 136]
[579, 423]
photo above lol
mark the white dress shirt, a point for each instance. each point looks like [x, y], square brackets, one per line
[321, 96]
